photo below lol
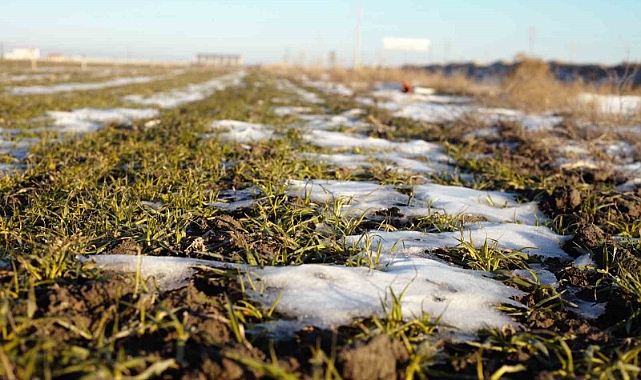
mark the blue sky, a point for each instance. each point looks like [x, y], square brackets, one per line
[265, 31]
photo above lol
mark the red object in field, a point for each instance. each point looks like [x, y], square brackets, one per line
[407, 87]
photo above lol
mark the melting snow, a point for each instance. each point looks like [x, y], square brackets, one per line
[329, 296]
[67, 87]
[493, 205]
[427, 199]
[533, 240]
[284, 111]
[241, 131]
[85, 120]
[538, 275]
[613, 104]
[306, 96]
[340, 140]
[346, 119]
[189, 94]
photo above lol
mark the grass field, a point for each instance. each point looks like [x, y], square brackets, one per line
[271, 224]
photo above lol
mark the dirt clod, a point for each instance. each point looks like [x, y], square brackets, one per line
[376, 359]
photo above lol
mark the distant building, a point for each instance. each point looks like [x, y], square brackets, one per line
[219, 60]
[23, 54]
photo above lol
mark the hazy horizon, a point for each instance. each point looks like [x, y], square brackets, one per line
[583, 32]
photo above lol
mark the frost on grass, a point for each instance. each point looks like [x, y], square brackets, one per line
[533, 240]
[68, 87]
[189, 94]
[240, 131]
[329, 296]
[361, 197]
[85, 120]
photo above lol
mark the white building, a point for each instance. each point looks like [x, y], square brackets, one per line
[23, 54]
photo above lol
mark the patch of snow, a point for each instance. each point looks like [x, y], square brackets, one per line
[613, 104]
[529, 122]
[230, 200]
[329, 87]
[340, 140]
[533, 240]
[189, 94]
[492, 205]
[584, 261]
[304, 95]
[538, 276]
[427, 199]
[347, 119]
[284, 111]
[67, 87]
[241, 131]
[84, 120]
[17, 149]
[630, 185]
[329, 296]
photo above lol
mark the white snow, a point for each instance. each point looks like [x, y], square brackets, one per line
[340, 140]
[528, 121]
[67, 87]
[304, 95]
[432, 113]
[390, 161]
[346, 119]
[493, 205]
[84, 120]
[445, 108]
[427, 199]
[630, 185]
[189, 94]
[17, 149]
[329, 296]
[329, 87]
[613, 104]
[533, 240]
[584, 261]
[26, 77]
[241, 131]
[538, 276]
[284, 111]
[230, 200]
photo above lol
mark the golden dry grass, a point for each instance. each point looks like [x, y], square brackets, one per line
[530, 87]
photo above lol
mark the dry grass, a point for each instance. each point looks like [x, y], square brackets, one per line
[530, 87]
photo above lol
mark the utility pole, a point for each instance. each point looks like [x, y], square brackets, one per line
[359, 37]
[531, 33]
